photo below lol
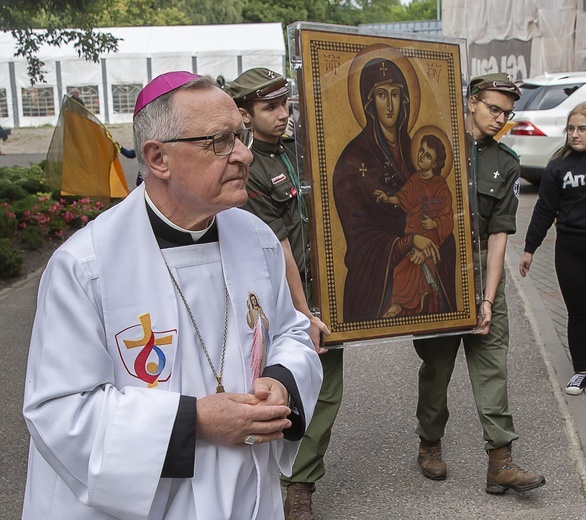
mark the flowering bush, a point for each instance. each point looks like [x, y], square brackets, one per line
[31, 214]
[8, 223]
[52, 217]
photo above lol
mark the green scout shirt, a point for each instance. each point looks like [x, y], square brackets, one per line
[497, 187]
[273, 197]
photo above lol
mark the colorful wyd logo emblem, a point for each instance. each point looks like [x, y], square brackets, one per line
[145, 355]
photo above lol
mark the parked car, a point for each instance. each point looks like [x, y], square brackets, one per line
[540, 119]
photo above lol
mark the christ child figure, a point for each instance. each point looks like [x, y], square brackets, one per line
[427, 201]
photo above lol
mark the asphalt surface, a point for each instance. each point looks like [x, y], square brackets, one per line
[371, 468]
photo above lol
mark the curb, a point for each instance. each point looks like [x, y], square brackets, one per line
[30, 278]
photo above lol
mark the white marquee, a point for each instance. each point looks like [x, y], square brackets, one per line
[109, 87]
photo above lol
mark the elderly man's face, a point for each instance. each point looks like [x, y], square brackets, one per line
[201, 183]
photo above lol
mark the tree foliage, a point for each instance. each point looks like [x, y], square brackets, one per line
[129, 13]
[212, 11]
[173, 12]
[74, 21]
[422, 10]
[65, 21]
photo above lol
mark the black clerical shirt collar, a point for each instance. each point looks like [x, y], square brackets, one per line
[168, 236]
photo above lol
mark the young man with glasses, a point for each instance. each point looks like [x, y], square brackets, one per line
[275, 195]
[165, 339]
[495, 172]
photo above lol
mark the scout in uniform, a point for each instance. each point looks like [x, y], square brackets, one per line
[495, 169]
[274, 195]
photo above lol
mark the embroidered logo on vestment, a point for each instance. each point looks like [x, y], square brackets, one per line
[144, 351]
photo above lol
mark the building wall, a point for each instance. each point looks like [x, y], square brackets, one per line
[522, 37]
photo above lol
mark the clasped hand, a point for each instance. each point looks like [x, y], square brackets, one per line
[426, 248]
[228, 418]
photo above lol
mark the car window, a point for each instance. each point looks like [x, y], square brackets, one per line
[539, 97]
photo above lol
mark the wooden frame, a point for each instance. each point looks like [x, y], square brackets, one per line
[378, 216]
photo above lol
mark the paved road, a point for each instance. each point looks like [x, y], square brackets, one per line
[371, 468]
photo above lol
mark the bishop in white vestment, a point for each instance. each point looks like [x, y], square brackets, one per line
[136, 319]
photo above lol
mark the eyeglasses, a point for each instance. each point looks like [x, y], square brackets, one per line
[571, 129]
[222, 142]
[497, 111]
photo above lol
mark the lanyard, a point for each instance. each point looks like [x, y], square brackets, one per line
[295, 180]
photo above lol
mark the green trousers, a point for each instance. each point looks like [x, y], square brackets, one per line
[486, 357]
[309, 464]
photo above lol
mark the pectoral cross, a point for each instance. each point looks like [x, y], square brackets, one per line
[220, 387]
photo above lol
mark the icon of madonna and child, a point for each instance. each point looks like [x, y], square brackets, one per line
[394, 203]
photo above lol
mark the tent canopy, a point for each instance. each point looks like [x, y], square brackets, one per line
[191, 40]
[110, 87]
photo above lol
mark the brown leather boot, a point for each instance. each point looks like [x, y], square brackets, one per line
[430, 460]
[503, 474]
[298, 501]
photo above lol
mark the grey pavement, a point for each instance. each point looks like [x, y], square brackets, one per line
[371, 468]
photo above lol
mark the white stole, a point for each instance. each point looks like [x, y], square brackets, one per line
[134, 281]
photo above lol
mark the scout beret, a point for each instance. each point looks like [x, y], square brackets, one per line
[258, 84]
[161, 85]
[499, 81]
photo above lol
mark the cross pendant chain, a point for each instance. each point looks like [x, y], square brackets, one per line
[218, 376]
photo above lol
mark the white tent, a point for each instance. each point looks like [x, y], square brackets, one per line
[109, 88]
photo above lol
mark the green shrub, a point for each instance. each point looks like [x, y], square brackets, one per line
[11, 192]
[26, 203]
[15, 173]
[10, 259]
[30, 179]
[33, 237]
[30, 184]
[7, 223]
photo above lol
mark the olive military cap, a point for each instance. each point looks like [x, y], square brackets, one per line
[258, 84]
[499, 81]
